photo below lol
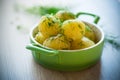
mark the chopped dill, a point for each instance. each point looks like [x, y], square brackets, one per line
[53, 21]
[62, 31]
[49, 24]
[82, 32]
[88, 28]
[79, 26]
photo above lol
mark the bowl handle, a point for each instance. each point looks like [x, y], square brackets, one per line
[34, 47]
[97, 18]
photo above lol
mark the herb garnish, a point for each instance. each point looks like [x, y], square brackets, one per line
[49, 24]
[87, 28]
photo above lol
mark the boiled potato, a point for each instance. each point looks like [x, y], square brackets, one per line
[89, 33]
[81, 44]
[58, 42]
[86, 43]
[73, 29]
[64, 15]
[49, 26]
[75, 44]
[39, 38]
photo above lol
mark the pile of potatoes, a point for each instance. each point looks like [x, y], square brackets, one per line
[63, 31]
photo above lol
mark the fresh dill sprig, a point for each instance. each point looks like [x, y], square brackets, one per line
[43, 10]
[114, 40]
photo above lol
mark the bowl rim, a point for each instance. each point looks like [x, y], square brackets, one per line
[95, 25]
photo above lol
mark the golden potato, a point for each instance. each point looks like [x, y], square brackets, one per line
[73, 29]
[81, 44]
[58, 42]
[75, 44]
[86, 43]
[64, 15]
[89, 33]
[49, 26]
[39, 38]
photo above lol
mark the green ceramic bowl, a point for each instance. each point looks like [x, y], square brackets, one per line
[67, 60]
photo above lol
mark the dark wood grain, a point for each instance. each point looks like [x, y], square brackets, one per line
[17, 63]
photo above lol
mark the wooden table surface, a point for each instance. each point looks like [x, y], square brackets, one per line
[17, 63]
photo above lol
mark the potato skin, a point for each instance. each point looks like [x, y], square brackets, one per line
[73, 29]
[39, 38]
[58, 42]
[49, 26]
[64, 15]
[89, 33]
[86, 43]
[81, 44]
